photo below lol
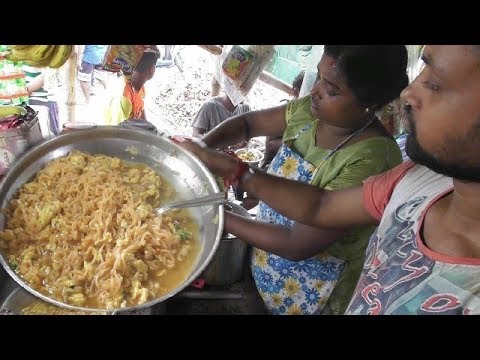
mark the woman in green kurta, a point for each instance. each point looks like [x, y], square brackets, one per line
[332, 140]
[345, 168]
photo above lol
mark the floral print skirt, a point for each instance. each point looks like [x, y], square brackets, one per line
[295, 287]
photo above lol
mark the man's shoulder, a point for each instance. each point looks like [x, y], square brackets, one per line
[410, 173]
[204, 115]
[419, 173]
[211, 103]
[415, 180]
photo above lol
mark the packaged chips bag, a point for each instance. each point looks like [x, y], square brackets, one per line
[124, 58]
[239, 66]
[236, 62]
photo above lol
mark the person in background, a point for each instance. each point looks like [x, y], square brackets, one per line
[42, 100]
[89, 57]
[214, 111]
[215, 87]
[130, 105]
[390, 116]
[167, 60]
[388, 119]
[332, 140]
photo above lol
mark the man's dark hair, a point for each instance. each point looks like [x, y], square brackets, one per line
[146, 62]
[376, 73]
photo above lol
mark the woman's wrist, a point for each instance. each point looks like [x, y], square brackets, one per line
[225, 164]
[236, 172]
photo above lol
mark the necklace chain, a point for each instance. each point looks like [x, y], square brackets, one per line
[339, 146]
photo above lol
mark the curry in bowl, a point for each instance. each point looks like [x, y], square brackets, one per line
[249, 155]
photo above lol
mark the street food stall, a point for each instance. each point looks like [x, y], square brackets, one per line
[41, 278]
[80, 233]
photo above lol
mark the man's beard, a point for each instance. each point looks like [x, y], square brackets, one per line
[418, 155]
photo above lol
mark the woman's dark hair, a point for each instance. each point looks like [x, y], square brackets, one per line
[375, 73]
[146, 62]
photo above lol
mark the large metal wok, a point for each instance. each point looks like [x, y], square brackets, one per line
[184, 171]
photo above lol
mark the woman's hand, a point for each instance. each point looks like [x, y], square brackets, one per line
[219, 163]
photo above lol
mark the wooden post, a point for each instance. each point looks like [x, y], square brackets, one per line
[276, 83]
[264, 76]
[214, 49]
[71, 85]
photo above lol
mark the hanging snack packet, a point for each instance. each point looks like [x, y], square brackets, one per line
[123, 58]
[238, 67]
[236, 62]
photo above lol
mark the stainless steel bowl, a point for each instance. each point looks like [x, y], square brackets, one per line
[185, 172]
[19, 300]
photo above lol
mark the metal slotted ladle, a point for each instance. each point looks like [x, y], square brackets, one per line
[211, 199]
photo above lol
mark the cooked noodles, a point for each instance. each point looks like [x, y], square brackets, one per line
[248, 156]
[83, 232]
[39, 307]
